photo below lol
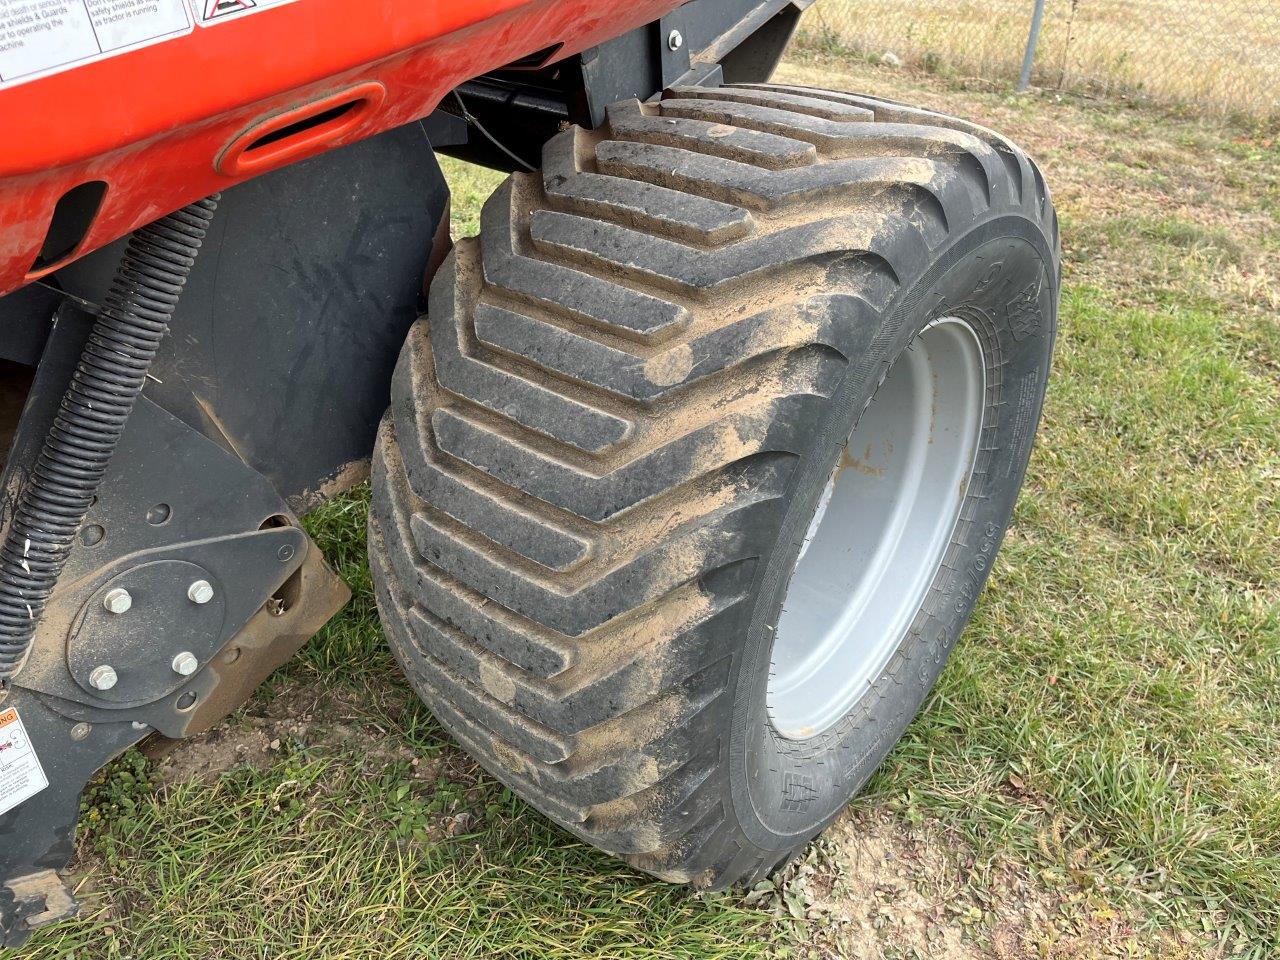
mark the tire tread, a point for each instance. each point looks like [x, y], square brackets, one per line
[591, 437]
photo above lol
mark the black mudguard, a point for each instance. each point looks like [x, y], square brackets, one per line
[263, 401]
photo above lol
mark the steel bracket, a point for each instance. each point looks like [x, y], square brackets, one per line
[175, 508]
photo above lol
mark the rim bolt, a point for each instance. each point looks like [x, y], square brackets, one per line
[117, 600]
[103, 677]
[185, 663]
[200, 592]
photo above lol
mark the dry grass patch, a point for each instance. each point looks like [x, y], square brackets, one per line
[878, 886]
[1216, 56]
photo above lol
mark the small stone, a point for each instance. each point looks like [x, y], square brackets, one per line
[891, 59]
[458, 825]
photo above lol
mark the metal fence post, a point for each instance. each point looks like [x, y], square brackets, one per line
[1037, 17]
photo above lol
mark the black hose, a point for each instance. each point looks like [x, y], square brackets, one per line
[112, 369]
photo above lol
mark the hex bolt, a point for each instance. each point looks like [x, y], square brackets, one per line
[81, 730]
[117, 600]
[103, 677]
[201, 591]
[185, 663]
[675, 40]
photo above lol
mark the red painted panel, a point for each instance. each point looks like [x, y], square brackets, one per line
[159, 125]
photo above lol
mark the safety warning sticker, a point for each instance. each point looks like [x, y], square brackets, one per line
[21, 776]
[211, 12]
[42, 37]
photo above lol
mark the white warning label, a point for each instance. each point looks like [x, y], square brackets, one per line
[210, 12]
[21, 776]
[40, 37]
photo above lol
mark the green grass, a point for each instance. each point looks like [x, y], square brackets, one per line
[1122, 666]
[336, 856]
[1109, 721]
[470, 185]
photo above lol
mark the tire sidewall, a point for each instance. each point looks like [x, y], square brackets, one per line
[998, 278]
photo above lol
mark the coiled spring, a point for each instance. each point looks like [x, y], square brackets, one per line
[110, 375]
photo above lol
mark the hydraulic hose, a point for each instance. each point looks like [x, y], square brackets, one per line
[112, 370]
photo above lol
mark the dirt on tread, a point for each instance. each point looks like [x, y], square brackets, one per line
[590, 438]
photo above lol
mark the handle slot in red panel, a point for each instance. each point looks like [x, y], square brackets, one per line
[302, 131]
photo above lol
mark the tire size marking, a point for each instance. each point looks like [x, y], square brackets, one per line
[21, 775]
[798, 791]
[974, 573]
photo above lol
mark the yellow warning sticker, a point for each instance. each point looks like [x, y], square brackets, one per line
[21, 776]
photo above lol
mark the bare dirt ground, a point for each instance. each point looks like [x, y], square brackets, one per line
[877, 887]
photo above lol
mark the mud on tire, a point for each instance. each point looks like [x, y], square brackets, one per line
[611, 431]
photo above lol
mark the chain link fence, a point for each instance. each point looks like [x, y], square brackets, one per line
[1219, 56]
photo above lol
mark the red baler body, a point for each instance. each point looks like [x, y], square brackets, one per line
[166, 124]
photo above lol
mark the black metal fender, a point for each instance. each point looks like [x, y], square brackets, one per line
[262, 402]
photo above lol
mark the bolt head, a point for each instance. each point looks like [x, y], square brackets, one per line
[117, 600]
[80, 731]
[200, 592]
[103, 677]
[185, 664]
[675, 40]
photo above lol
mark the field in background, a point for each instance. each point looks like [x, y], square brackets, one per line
[1095, 775]
[1218, 56]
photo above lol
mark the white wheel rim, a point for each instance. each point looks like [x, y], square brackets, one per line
[880, 532]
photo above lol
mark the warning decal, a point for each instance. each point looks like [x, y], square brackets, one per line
[212, 12]
[224, 8]
[40, 37]
[21, 776]
[43, 37]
